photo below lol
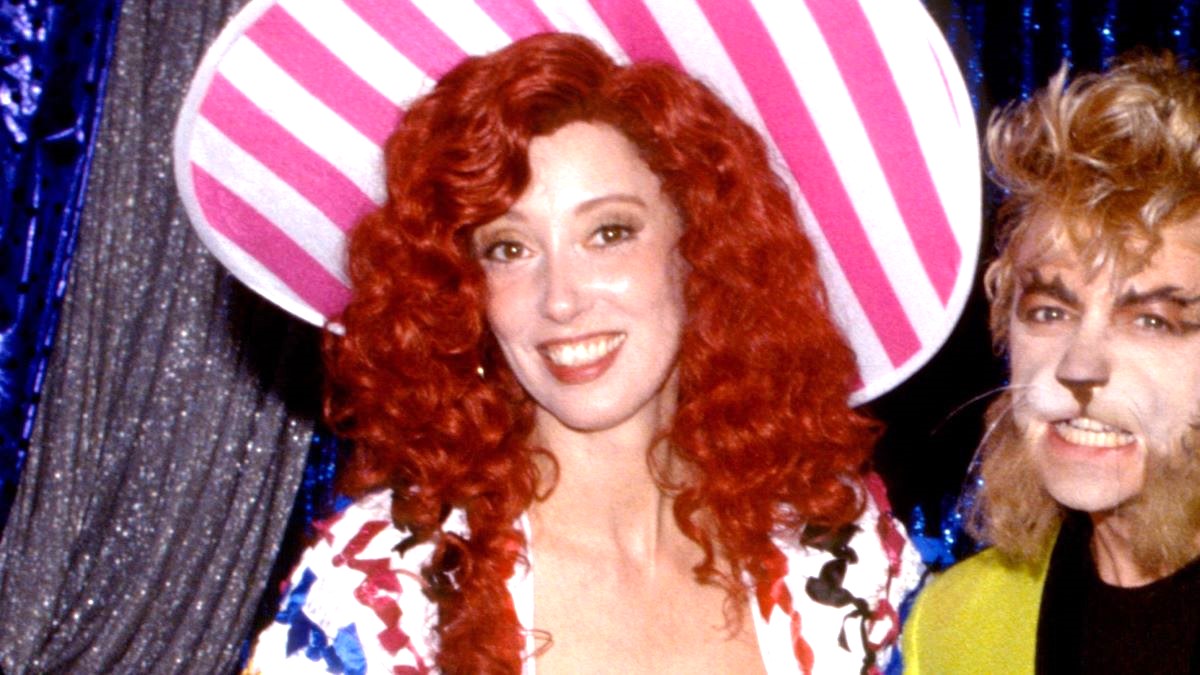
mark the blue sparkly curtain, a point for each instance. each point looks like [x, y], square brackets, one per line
[53, 61]
[1009, 49]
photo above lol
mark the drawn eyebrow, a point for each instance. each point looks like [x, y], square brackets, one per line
[1036, 283]
[516, 214]
[512, 214]
[619, 198]
[1133, 298]
[1162, 293]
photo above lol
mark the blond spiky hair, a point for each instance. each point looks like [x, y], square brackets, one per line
[1108, 161]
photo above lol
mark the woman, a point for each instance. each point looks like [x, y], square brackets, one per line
[588, 339]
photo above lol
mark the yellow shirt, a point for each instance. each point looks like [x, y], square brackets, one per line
[979, 616]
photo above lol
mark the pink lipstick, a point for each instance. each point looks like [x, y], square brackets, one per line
[581, 359]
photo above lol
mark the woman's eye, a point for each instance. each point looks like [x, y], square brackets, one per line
[504, 251]
[607, 235]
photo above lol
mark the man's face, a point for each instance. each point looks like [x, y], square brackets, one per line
[1105, 369]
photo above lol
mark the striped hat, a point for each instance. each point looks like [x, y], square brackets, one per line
[279, 145]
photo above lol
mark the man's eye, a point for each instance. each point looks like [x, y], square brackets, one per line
[1045, 314]
[606, 235]
[1154, 322]
[504, 251]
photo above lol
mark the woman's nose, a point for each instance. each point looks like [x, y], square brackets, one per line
[1085, 366]
[563, 291]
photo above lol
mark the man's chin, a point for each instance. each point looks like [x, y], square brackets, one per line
[1026, 489]
[1083, 477]
[1091, 489]
[1085, 500]
[1155, 493]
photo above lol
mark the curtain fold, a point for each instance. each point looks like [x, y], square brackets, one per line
[176, 415]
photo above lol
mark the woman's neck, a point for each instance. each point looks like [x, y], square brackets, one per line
[605, 501]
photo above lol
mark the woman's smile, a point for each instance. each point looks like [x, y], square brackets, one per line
[581, 360]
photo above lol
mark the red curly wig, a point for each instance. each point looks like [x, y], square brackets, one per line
[764, 374]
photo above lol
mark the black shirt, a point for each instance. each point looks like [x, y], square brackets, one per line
[1088, 626]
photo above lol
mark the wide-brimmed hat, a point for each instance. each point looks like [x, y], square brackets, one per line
[278, 148]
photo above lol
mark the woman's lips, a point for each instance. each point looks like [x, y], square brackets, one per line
[582, 359]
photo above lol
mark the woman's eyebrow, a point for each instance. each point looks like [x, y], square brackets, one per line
[618, 197]
[513, 214]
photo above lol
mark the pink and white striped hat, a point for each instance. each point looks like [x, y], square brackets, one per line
[278, 148]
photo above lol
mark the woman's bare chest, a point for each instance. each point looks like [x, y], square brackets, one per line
[596, 617]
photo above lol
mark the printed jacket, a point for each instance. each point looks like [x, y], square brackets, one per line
[355, 605]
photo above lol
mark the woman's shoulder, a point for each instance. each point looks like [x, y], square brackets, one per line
[354, 603]
[872, 557]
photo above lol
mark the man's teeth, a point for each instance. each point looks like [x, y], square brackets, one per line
[1089, 432]
[580, 353]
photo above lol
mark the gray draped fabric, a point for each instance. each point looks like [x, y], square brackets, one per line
[176, 415]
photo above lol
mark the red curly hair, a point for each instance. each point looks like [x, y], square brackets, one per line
[764, 374]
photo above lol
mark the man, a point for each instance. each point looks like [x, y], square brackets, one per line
[1091, 478]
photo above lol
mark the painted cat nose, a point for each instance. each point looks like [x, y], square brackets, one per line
[1081, 390]
[1083, 369]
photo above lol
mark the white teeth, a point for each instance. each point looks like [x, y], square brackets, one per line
[1089, 424]
[583, 353]
[1092, 433]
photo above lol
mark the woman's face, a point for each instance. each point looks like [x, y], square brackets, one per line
[585, 282]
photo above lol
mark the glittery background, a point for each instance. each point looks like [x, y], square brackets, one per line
[176, 409]
[175, 417]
